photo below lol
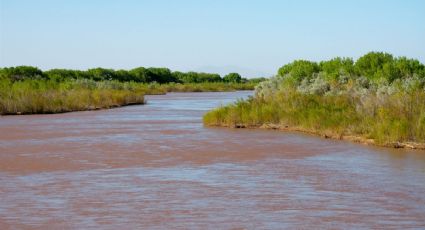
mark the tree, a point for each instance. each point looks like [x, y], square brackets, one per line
[101, 74]
[209, 77]
[123, 76]
[161, 75]
[232, 77]
[300, 69]
[371, 65]
[180, 76]
[337, 67]
[408, 67]
[62, 74]
[22, 72]
[140, 74]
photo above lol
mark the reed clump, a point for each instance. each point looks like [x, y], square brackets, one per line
[48, 96]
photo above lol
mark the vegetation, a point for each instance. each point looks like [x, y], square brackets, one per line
[140, 75]
[233, 77]
[206, 87]
[49, 96]
[378, 98]
[28, 90]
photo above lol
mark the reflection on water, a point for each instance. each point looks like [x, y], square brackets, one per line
[156, 166]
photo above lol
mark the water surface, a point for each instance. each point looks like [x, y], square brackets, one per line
[155, 166]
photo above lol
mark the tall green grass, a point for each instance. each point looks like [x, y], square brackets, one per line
[396, 118]
[47, 96]
[53, 96]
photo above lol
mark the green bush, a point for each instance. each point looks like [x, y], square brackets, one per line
[378, 97]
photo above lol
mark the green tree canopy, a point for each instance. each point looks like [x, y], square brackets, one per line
[337, 66]
[372, 63]
[161, 75]
[21, 72]
[140, 74]
[100, 74]
[299, 69]
[232, 77]
[63, 74]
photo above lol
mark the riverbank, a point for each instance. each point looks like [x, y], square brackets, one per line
[50, 96]
[29, 90]
[339, 99]
[336, 117]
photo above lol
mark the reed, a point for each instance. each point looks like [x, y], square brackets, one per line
[34, 96]
[47, 96]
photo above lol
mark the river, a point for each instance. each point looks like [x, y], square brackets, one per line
[155, 166]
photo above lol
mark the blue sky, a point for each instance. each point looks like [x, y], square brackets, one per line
[251, 37]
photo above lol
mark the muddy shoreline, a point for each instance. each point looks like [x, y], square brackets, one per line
[351, 138]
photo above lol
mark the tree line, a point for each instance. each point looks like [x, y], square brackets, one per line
[140, 75]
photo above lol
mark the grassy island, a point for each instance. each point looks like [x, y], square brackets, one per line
[378, 99]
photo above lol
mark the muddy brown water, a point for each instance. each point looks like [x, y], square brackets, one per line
[155, 166]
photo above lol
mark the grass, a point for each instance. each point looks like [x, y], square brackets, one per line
[50, 96]
[396, 118]
[41, 96]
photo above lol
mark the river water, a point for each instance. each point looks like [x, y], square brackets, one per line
[155, 166]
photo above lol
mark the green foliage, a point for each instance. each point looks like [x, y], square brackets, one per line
[21, 72]
[397, 118]
[140, 74]
[160, 75]
[63, 74]
[257, 80]
[375, 66]
[379, 97]
[193, 77]
[101, 74]
[372, 64]
[55, 96]
[26, 89]
[232, 77]
[50, 96]
[298, 70]
[206, 87]
[337, 67]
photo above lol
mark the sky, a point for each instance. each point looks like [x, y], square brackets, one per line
[254, 38]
